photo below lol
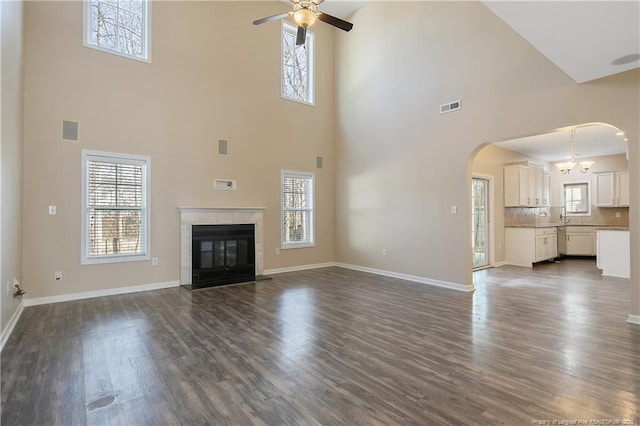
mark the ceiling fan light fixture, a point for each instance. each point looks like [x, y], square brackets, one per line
[305, 17]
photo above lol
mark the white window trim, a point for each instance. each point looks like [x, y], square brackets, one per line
[146, 43]
[85, 259]
[562, 184]
[312, 234]
[310, 65]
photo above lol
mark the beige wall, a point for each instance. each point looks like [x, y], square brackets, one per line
[214, 75]
[402, 165]
[490, 161]
[11, 21]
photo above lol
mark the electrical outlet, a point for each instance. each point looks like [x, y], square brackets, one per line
[454, 209]
[277, 251]
[52, 210]
[154, 261]
[57, 275]
[617, 214]
[384, 251]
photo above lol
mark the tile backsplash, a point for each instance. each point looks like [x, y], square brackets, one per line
[518, 216]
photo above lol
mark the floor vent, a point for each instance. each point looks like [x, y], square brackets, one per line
[451, 106]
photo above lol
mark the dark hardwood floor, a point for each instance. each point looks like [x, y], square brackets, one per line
[333, 346]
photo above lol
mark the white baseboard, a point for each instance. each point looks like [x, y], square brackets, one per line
[276, 271]
[414, 278]
[11, 324]
[99, 293]
[499, 264]
[634, 319]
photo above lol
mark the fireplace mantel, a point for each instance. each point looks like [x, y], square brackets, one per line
[203, 215]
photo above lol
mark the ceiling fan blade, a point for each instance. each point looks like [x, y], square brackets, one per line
[301, 37]
[336, 22]
[271, 18]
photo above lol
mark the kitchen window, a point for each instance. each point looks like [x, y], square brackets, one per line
[576, 198]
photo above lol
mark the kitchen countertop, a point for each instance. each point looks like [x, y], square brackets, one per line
[562, 225]
[536, 225]
[612, 228]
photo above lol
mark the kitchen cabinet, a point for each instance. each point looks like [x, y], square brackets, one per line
[516, 186]
[613, 253]
[546, 244]
[526, 246]
[526, 186]
[580, 241]
[612, 189]
[546, 189]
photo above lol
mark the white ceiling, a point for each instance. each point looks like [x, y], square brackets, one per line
[593, 140]
[581, 37]
[340, 9]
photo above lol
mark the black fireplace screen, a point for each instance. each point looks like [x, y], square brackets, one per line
[222, 254]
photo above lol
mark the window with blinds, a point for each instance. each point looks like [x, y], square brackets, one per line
[576, 198]
[297, 209]
[115, 210]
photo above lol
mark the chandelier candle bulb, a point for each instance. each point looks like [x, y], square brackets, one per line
[566, 167]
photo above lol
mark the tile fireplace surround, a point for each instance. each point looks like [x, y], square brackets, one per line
[190, 216]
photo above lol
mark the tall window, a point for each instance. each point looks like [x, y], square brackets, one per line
[297, 209]
[297, 66]
[115, 216]
[576, 198]
[118, 26]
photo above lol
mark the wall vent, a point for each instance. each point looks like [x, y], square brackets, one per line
[223, 146]
[450, 106]
[226, 184]
[69, 131]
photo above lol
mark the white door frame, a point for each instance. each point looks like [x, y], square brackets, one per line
[491, 235]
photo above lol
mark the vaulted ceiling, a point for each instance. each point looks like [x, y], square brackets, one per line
[587, 40]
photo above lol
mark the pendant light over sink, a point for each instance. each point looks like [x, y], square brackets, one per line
[566, 167]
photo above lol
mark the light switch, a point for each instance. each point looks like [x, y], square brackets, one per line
[52, 210]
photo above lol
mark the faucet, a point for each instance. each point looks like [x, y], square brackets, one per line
[563, 214]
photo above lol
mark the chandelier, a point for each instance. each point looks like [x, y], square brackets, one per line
[566, 167]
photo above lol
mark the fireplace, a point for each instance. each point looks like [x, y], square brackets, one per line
[190, 217]
[222, 254]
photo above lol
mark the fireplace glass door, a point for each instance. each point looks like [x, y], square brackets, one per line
[222, 254]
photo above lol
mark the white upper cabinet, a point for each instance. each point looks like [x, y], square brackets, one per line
[546, 189]
[526, 186]
[623, 188]
[516, 186]
[612, 189]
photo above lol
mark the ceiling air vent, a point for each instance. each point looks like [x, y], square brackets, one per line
[450, 106]
[226, 184]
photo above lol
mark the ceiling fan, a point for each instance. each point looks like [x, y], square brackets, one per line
[305, 13]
